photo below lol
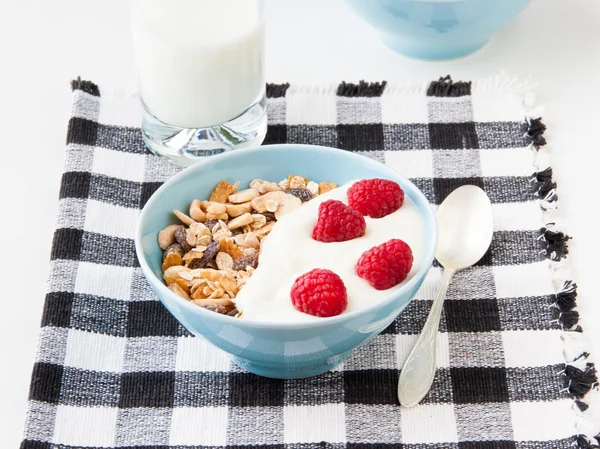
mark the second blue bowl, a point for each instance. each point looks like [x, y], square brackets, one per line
[437, 29]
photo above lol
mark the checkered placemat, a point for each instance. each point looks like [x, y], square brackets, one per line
[115, 370]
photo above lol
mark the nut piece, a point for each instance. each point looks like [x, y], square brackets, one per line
[264, 186]
[243, 196]
[222, 191]
[166, 237]
[313, 187]
[222, 216]
[240, 221]
[183, 218]
[325, 187]
[248, 240]
[235, 210]
[297, 182]
[215, 208]
[224, 261]
[259, 204]
[258, 221]
[172, 256]
[176, 288]
[290, 204]
[196, 211]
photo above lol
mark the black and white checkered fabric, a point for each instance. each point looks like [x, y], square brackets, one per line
[115, 370]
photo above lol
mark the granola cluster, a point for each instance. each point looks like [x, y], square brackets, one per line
[210, 256]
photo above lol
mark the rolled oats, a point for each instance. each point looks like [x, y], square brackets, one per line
[313, 188]
[247, 240]
[224, 261]
[262, 186]
[190, 237]
[203, 242]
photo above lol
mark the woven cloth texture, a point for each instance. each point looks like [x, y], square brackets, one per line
[116, 370]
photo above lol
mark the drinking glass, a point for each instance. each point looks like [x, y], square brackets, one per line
[201, 75]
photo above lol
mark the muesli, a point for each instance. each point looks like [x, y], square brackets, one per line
[208, 258]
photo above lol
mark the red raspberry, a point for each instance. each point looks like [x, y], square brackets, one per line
[375, 197]
[320, 293]
[385, 265]
[338, 223]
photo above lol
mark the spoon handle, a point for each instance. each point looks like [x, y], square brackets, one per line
[417, 374]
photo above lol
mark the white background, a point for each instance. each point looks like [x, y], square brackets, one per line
[44, 44]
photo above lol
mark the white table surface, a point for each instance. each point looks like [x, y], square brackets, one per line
[44, 44]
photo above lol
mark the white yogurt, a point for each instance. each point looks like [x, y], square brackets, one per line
[200, 62]
[290, 251]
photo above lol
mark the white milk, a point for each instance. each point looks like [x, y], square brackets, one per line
[200, 62]
[290, 251]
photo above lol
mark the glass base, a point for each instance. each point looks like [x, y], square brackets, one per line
[184, 146]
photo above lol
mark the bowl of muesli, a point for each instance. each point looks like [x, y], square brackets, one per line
[287, 257]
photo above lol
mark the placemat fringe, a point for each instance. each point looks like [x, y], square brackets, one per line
[580, 376]
[362, 89]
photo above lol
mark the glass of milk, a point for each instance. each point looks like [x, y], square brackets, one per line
[201, 75]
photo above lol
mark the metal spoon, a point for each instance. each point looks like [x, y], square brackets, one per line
[466, 227]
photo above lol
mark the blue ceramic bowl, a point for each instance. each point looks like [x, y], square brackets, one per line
[270, 349]
[437, 29]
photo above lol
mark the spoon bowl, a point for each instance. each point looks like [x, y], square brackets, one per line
[466, 228]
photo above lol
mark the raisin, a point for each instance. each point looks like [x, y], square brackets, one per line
[174, 248]
[209, 254]
[222, 309]
[181, 237]
[304, 194]
[241, 263]
[210, 224]
[270, 216]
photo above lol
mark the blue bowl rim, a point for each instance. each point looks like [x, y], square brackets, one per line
[427, 212]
